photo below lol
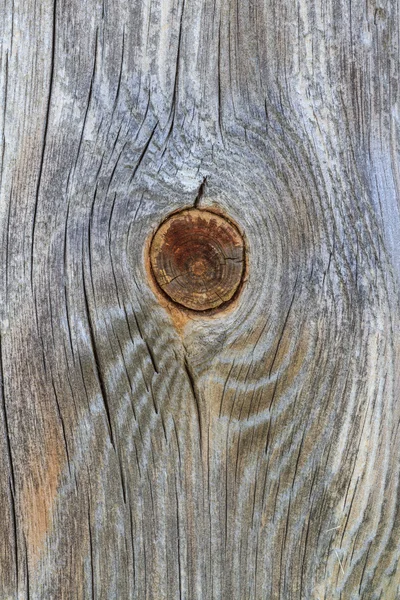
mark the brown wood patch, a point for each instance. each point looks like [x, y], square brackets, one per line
[198, 259]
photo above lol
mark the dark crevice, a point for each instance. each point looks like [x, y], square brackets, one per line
[131, 539]
[156, 409]
[120, 69]
[284, 327]
[178, 54]
[4, 409]
[89, 99]
[92, 577]
[178, 541]
[114, 169]
[149, 350]
[4, 117]
[44, 143]
[177, 444]
[90, 237]
[11, 464]
[364, 568]
[196, 395]
[200, 193]
[7, 243]
[27, 577]
[97, 362]
[65, 272]
[62, 424]
[143, 154]
[15, 533]
[123, 485]
[350, 507]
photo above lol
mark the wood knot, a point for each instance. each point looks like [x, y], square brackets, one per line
[197, 258]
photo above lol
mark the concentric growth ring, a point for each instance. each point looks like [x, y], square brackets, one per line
[198, 258]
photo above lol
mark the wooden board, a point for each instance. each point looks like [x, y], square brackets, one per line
[248, 454]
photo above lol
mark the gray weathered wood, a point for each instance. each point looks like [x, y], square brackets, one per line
[249, 455]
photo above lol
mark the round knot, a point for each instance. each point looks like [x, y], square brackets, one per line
[198, 258]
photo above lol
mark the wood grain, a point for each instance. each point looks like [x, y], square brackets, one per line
[249, 454]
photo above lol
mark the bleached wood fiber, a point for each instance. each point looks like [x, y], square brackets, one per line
[253, 454]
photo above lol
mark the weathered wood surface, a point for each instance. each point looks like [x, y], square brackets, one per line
[253, 454]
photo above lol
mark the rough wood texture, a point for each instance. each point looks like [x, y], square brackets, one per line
[253, 454]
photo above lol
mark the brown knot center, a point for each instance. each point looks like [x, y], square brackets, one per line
[197, 259]
[199, 267]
